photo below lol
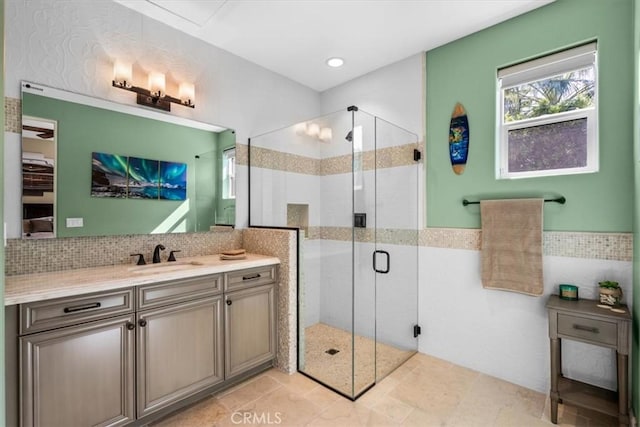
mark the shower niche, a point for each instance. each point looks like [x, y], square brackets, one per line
[349, 182]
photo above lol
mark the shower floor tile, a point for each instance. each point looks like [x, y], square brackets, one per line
[335, 368]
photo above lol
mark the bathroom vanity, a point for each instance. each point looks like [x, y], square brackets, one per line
[129, 344]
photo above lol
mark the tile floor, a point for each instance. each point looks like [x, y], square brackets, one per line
[424, 391]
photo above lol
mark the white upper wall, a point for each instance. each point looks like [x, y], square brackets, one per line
[393, 93]
[71, 45]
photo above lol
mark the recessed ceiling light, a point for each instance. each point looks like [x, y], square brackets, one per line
[335, 62]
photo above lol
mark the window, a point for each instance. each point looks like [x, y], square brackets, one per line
[548, 121]
[229, 173]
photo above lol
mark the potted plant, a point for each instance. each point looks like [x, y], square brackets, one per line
[610, 293]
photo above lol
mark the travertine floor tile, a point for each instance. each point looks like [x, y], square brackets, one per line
[322, 396]
[347, 413]
[394, 409]
[426, 392]
[488, 396]
[285, 404]
[436, 389]
[209, 412]
[509, 417]
[298, 381]
[249, 392]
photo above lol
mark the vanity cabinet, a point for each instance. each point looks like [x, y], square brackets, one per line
[179, 352]
[250, 319]
[133, 355]
[90, 364]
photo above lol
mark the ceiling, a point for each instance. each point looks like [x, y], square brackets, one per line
[295, 37]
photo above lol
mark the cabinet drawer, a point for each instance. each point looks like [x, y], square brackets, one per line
[55, 313]
[249, 277]
[176, 291]
[597, 331]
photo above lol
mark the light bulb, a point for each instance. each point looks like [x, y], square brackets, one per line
[313, 129]
[122, 73]
[325, 134]
[156, 83]
[187, 93]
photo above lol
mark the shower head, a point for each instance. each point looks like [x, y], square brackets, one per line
[349, 136]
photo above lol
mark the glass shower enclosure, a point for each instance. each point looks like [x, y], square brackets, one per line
[349, 182]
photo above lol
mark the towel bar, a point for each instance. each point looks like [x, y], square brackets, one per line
[562, 200]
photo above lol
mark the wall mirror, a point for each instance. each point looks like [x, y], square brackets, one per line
[92, 167]
[38, 177]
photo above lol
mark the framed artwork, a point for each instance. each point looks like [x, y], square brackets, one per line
[123, 177]
[143, 178]
[108, 175]
[173, 181]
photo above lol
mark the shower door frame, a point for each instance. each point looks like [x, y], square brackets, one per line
[353, 110]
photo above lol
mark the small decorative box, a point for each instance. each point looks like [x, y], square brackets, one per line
[568, 292]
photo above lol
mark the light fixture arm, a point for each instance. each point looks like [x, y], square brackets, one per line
[152, 99]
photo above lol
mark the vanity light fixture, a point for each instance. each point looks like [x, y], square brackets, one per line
[325, 134]
[155, 96]
[313, 129]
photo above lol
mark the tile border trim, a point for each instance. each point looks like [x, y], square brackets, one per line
[589, 245]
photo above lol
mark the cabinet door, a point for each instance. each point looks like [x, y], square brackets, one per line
[80, 375]
[250, 328]
[179, 352]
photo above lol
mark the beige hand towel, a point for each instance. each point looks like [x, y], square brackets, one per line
[511, 248]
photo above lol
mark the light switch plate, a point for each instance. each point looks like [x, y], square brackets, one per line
[75, 222]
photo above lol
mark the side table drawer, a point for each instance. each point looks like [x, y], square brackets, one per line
[597, 331]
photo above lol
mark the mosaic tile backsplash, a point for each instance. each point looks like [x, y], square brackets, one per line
[12, 115]
[46, 255]
[608, 246]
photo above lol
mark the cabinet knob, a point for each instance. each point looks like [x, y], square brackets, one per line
[131, 326]
[142, 323]
[229, 302]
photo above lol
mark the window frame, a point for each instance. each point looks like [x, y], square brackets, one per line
[228, 175]
[548, 66]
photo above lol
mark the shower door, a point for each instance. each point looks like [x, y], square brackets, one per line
[395, 258]
[385, 248]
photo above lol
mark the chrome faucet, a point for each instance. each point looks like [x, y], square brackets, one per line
[156, 253]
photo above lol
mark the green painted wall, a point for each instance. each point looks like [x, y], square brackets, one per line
[635, 370]
[2, 375]
[83, 130]
[465, 71]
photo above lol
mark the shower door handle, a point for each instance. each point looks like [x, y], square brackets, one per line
[375, 258]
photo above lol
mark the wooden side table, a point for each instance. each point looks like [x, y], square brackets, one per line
[583, 321]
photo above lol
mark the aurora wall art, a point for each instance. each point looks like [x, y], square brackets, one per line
[137, 178]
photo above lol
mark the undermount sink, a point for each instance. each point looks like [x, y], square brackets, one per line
[164, 267]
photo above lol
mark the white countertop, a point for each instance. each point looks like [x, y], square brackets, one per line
[42, 286]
